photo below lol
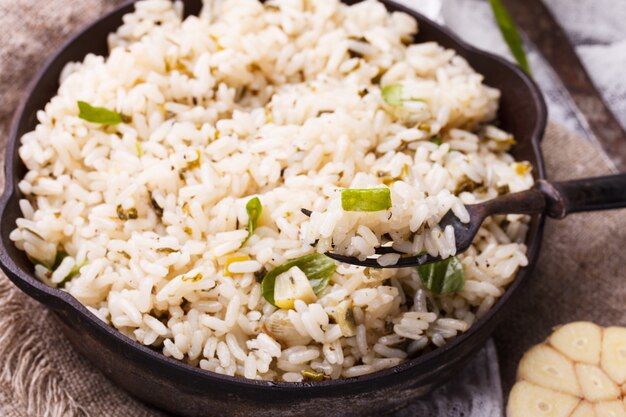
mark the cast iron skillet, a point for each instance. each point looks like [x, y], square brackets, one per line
[189, 391]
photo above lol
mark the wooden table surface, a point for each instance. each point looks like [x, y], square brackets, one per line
[541, 27]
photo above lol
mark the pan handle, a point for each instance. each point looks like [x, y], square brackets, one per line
[586, 194]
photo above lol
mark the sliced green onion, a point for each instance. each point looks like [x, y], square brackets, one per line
[392, 94]
[254, 208]
[443, 277]
[318, 268]
[368, 199]
[510, 34]
[99, 115]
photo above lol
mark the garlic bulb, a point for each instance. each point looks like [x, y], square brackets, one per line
[579, 371]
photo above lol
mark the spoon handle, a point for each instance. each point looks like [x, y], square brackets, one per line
[587, 194]
[530, 201]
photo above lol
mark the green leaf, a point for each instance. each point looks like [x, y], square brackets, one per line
[368, 199]
[318, 269]
[444, 276]
[98, 115]
[254, 209]
[392, 94]
[510, 34]
[436, 140]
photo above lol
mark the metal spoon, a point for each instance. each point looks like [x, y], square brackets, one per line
[556, 200]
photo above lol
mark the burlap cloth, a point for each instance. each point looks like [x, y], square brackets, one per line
[580, 274]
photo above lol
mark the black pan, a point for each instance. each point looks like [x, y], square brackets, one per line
[189, 391]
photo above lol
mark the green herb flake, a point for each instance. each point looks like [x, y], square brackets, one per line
[443, 277]
[73, 272]
[392, 94]
[436, 140]
[368, 199]
[466, 184]
[260, 274]
[241, 93]
[254, 208]
[510, 34]
[100, 115]
[406, 40]
[139, 149]
[166, 251]
[318, 268]
[194, 278]
[195, 163]
[157, 209]
[425, 127]
[354, 53]
[503, 189]
[378, 77]
[309, 375]
[387, 179]
[130, 214]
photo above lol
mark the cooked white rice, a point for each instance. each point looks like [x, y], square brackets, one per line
[281, 101]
